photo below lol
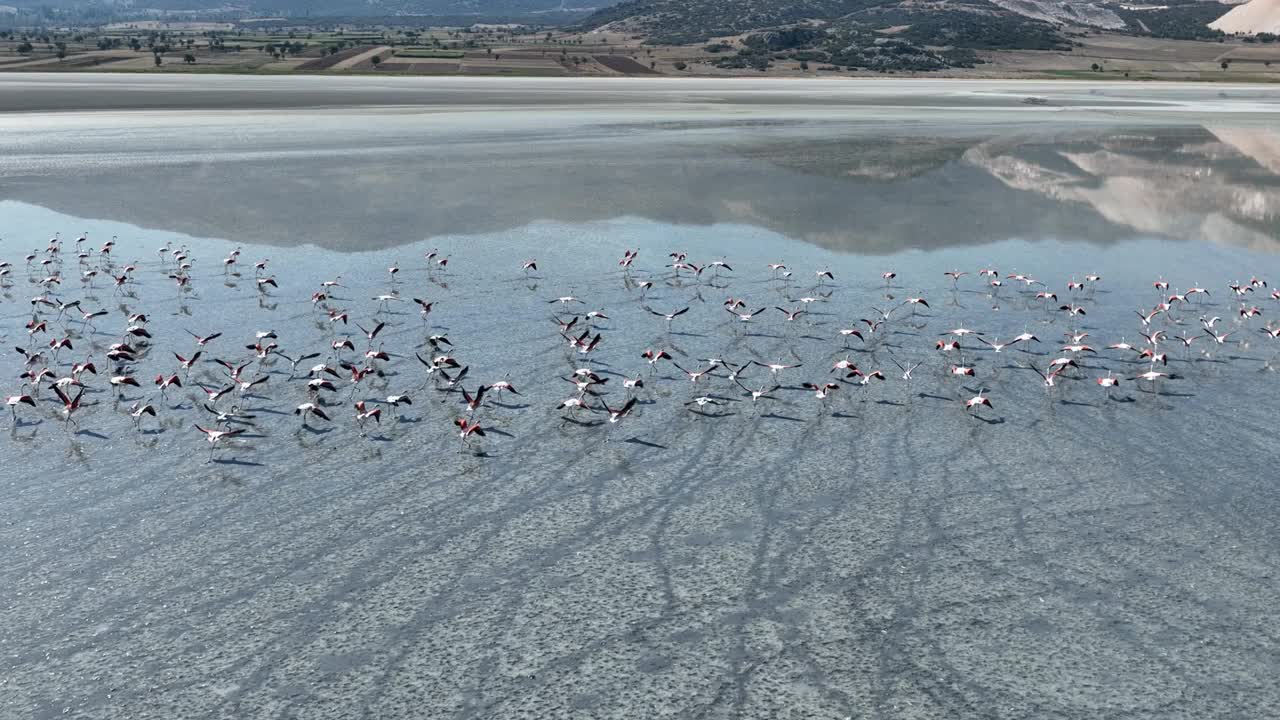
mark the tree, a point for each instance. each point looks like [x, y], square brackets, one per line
[804, 64]
[61, 54]
[680, 65]
[1095, 67]
[159, 62]
[1226, 64]
[189, 59]
[25, 48]
[377, 60]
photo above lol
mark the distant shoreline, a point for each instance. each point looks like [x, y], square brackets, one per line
[1061, 75]
[86, 92]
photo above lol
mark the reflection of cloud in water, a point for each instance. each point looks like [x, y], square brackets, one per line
[1193, 189]
[1263, 146]
[835, 185]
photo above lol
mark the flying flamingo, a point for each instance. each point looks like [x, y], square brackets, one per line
[309, 409]
[69, 405]
[22, 398]
[217, 437]
[466, 430]
[669, 317]
[137, 410]
[977, 401]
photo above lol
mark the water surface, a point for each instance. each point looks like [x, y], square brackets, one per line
[1080, 555]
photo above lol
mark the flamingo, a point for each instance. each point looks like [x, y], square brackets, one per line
[654, 356]
[775, 368]
[365, 414]
[865, 379]
[703, 401]
[120, 381]
[847, 333]
[395, 401]
[186, 363]
[977, 401]
[466, 430]
[745, 316]
[310, 409]
[217, 437]
[22, 398]
[1152, 376]
[695, 376]
[617, 414]
[137, 410]
[473, 401]
[760, 393]
[69, 405]
[669, 317]
[791, 314]
[164, 383]
[821, 392]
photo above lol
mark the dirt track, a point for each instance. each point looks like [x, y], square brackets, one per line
[362, 57]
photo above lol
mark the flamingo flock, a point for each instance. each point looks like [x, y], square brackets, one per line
[90, 352]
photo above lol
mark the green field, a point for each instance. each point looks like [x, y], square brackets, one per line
[1135, 75]
[425, 52]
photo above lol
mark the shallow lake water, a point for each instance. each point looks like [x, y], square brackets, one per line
[1079, 553]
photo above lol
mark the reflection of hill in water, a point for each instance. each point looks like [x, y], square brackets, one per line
[1192, 186]
[873, 158]
[859, 194]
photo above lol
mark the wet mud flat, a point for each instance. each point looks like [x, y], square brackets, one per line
[1079, 555]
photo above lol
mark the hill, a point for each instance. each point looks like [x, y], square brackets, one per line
[406, 10]
[892, 35]
[875, 34]
[1255, 16]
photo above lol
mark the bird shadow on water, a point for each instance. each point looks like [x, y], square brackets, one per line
[1076, 403]
[509, 406]
[235, 461]
[715, 415]
[931, 396]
